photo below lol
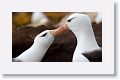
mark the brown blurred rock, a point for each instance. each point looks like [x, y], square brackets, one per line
[21, 18]
[55, 17]
[14, 28]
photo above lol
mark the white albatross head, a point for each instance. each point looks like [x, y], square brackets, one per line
[80, 25]
[45, 38]
[78, 21]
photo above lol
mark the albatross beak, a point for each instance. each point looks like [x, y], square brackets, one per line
[60, 30]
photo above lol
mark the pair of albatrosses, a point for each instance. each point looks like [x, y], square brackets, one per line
[87, 49]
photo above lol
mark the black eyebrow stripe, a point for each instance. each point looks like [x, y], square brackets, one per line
[71, 19]
[44, 35]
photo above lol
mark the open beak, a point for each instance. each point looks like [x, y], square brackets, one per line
[60, 30]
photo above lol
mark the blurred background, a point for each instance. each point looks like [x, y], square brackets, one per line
[26, 25]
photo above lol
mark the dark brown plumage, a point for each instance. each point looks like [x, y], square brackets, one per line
[94, 56]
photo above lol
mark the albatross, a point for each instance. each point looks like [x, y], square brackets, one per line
[87, 49]
[41, 44]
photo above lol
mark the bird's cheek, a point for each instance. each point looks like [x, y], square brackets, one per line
[69, 25]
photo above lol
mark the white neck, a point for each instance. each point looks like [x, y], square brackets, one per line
[34, 54]
[85, 42]
[85, 38]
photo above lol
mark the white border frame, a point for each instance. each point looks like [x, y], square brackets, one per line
[106, 7]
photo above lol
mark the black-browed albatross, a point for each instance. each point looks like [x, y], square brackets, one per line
[87, 49]
[41, 44]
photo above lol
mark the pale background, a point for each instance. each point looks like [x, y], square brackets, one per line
[78, 77]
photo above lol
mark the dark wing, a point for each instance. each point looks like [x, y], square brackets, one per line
[16, 60]
[94, 56]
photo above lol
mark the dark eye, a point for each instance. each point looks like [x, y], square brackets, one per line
[44, 35]
[70, 19]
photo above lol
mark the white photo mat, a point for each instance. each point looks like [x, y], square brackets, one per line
[106, 7]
